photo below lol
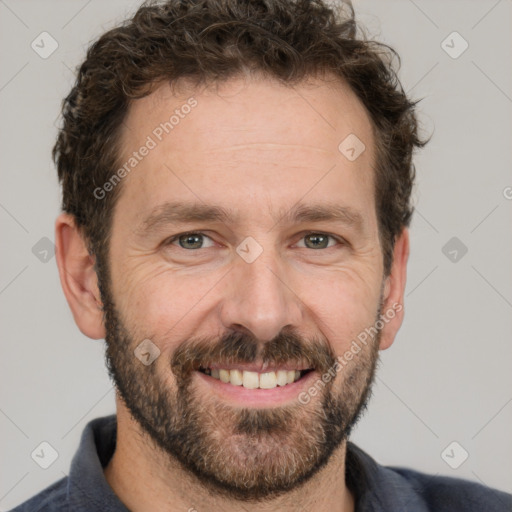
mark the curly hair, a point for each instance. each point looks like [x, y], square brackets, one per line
[211, 41]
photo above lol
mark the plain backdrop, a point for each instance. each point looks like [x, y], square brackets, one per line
[447, 377]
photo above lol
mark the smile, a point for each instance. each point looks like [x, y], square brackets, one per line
[255, 380]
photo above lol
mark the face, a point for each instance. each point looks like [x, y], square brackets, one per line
[245, 251]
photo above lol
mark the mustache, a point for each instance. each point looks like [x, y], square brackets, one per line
[239, 347]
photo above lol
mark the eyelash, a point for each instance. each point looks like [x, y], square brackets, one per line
[340, 241]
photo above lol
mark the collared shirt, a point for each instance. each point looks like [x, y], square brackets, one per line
[376, 488]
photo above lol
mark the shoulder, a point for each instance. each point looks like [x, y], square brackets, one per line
[51, 499]
[443, 493]
[399, 489]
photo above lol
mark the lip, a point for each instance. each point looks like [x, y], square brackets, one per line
[242, 397]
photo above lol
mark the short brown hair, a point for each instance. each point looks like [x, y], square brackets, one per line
[211, 41]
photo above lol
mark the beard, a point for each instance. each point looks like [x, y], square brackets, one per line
[241, 453]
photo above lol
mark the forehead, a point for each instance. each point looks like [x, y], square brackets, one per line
[254, 110]
[248, 138]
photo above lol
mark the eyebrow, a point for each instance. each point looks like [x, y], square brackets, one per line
[170, 213]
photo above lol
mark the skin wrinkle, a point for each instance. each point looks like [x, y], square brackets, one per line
[293, 303]
[250, 423]
[259, 146]
[260, 132]
[167, 214]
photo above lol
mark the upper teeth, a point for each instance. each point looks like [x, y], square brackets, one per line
[254, 380]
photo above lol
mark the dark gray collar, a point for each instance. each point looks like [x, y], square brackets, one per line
[377, 488]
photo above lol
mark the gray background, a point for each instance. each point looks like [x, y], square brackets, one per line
[447, 377]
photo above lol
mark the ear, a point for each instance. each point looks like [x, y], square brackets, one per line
[78, 277]
[393, 294]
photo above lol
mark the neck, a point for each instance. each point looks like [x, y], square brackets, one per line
[144, 478]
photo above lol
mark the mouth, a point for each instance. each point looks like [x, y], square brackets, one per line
[255, 385]
[254, 379]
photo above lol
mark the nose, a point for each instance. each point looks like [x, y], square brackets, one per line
[260, 298]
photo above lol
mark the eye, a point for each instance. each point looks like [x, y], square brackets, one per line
[319, 240]
[190, 240]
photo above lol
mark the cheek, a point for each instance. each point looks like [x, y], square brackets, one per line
[165, 303]
[168, 305]
[344, 304]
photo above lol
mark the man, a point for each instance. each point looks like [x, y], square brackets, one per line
[279, 146]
